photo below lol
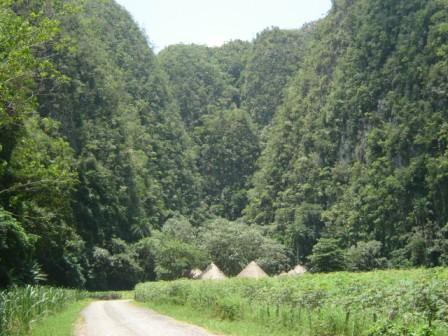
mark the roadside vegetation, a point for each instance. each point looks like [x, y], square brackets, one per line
[405, 302]
[21, 308]
[38, 310]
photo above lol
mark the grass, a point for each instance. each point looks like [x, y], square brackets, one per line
[395, 303]
[42, 309]
[217, 326]
[62, 323]
[20, 308]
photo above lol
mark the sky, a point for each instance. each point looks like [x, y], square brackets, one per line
[214, 22]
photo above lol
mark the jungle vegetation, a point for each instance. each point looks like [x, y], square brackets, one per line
[324, 145]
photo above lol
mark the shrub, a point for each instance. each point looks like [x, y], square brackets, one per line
[365, 256]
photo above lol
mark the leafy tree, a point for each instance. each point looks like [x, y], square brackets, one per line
[114, 268]
[327, 256]
[37, 168]
[16, 250]
[174, 250]
[108, 152]
[232, 59]
[175, 258]
[232, 245]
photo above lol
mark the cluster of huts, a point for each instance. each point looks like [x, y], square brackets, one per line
[252, 270]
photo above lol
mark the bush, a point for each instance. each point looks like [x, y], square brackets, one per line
[365, 256]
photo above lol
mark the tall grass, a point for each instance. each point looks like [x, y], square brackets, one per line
[21, 307]
[398, 303]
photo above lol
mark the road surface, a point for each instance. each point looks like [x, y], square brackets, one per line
[121, 318]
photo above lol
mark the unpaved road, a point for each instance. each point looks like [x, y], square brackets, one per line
[121, 318]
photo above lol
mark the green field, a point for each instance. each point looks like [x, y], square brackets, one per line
[395, 303]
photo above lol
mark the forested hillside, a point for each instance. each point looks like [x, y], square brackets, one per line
[325, 145]
[357, 155]
[227, 97]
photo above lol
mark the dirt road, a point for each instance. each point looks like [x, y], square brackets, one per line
[121, 318]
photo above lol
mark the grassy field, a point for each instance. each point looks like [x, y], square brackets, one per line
[61, 323]
[394, 303]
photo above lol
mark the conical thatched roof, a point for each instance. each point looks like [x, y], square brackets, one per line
[212, 272]
[195, 273]
[298, 270]
[252, 271]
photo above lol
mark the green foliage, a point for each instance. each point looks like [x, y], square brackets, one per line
[365, 256]
[232, 59]
[232, 245]
[228, 148]
[377, 303]
[174, 258]
[198, 84]
[108, 152]
[135, 163]
[21, 307]
[327, 256]
[15, 250]
[37, 172]
[274, 57]
[174, 251]
[357, 150]
[179, 228]
[19, 37]
[114, 268]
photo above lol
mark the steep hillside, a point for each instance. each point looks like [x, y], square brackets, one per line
[227, 95]
[130, 165]
[358, 149]
[274, 57]
[133, 154]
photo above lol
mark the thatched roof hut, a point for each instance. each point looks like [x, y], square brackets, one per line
[212, 272]
[252, 271]
[195, 273]
[298, 270]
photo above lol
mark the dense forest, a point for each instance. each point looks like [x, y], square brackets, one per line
[325, 145]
